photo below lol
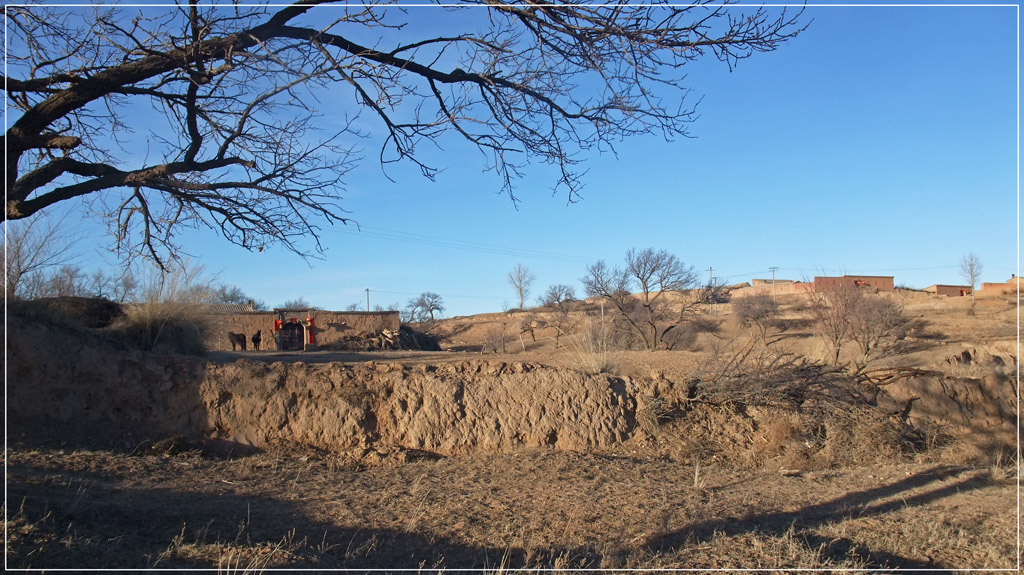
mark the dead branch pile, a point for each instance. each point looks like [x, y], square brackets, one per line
[403, 338]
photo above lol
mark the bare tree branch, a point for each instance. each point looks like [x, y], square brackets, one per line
[244, 93]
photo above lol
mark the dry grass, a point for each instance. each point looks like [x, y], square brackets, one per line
[1002, 467]
[704, 492]
[530, 509]
[172, 315]
[588, 349]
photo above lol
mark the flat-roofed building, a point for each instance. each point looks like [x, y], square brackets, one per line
[877, 282]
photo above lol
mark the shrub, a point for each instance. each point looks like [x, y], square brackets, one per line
[589, 349]
[756, 312]
[173, 315]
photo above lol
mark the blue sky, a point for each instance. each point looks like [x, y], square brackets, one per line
[882, 140]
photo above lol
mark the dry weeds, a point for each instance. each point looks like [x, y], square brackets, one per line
[770, 466]
[535, 508]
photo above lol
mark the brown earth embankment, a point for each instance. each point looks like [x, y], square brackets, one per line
[75, 389]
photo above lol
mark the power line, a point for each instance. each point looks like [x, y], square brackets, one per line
[875, 270]
[435, 241]
[440, 294]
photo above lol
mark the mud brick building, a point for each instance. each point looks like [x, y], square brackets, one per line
[286, 329]
[878, 282]
[1008, 287]
[949, 290]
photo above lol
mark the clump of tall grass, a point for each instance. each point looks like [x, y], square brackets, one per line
[171, 314]
[588, 349]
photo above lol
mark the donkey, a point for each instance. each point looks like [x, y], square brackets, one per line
[256, 339]
[237, 339]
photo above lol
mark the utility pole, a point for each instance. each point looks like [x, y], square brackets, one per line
[774, 299]
[367, 299]
[711, 289]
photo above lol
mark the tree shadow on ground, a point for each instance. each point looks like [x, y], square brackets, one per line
[88, 521]
[870, 502]
[83, 519]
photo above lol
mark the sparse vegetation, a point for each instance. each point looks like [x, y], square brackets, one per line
[521, 279]
[171, 315]
[739, 455]
[589, 349]
[425, 309]
[756, 312]
[666, 295]
[970, 270]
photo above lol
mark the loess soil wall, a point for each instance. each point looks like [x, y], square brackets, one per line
[97, 394]
[70, 385]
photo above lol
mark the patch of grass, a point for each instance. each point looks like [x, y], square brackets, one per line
[175, 327]
[173, 314]
[589, 350]
[1002, 467]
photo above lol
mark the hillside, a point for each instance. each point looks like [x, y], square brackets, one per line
[729, 451]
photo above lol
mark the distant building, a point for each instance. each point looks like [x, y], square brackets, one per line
[877, 282]
[949, 290]
[285, 329]
[1008, 287]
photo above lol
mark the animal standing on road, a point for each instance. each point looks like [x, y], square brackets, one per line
[237, 339]
[256, 339]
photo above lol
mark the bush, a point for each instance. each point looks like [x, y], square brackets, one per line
[173, 316]
[171, 327]
[756, 311]
[589, 349]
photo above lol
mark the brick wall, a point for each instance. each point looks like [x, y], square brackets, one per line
[951, 290]
[328, 326]
[878, 282]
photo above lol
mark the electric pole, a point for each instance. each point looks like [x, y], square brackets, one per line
[367, 299]
[711, 289]
[774, 299]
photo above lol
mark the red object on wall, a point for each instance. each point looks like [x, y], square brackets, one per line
[312, 336]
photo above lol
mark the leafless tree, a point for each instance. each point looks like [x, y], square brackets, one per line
[970, 270]
[833, 309]
[560, 299]
[846, 313]
[100, 284]
[557, 295]
[425, 308]
[654, 294]
[521, 279]
[757, 312]
[32, 249]
[877, 323]
[124, 286]
[297, 303]
[68, 281]
[255, 105]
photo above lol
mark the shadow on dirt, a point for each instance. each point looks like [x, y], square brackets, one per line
[103, 524]
[89, 520]
[871, 502]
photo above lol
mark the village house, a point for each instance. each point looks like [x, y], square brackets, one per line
[295, 329]
[949, 290]
[878, 282]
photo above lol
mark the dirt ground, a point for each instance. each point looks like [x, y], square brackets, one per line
[536, 507]
[459, 480]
